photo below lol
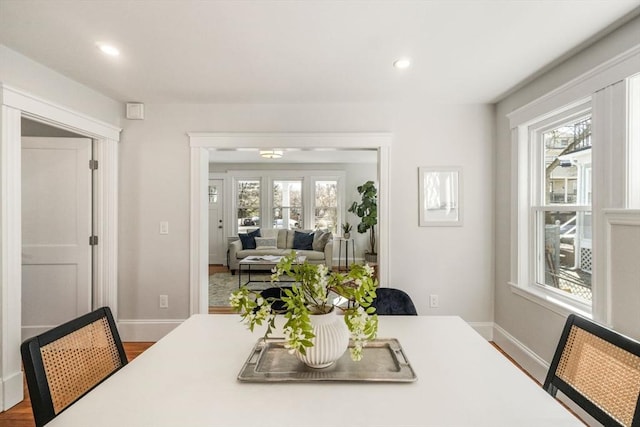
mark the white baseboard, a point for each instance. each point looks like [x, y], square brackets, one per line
[524, 356]
[133, 330]
[12, 390]
[483, 328]
[535, 366]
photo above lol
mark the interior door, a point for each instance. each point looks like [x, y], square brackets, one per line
[56, 225]
[217, 241]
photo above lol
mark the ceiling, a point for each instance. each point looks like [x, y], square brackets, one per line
[306, 51]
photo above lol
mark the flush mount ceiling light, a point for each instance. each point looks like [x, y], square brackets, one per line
[108, 49]
[271, 154]
[402, 63]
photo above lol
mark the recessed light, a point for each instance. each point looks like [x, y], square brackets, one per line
[402, 63]
[108, 49]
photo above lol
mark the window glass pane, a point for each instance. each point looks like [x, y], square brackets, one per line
[567, 157]
[248, 205]
[566, 252]
[565, 237]
[287, 204]
[326, 205]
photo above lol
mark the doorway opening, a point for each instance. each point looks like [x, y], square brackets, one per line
[57, 226]
[201, 145]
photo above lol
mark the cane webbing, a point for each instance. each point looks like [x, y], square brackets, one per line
[78, 361]
[605, 374]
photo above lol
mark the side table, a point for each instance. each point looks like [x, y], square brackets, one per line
[345, 242]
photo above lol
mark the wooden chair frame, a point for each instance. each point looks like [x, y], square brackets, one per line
[42, 357]
[586, 396]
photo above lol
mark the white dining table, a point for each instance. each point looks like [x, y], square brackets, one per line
[189, 378]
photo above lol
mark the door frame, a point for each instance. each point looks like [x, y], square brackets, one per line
[16, 104]
[202, 142]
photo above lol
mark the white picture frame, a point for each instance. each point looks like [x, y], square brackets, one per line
[440, 196]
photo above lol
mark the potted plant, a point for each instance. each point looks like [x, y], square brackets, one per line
[312, 327]
[346, 230]
[367, 210]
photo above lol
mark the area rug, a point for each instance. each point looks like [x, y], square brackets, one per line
[222, 284]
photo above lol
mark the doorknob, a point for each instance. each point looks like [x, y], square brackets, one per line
[219, 226]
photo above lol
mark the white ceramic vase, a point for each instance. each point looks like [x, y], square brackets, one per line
[330, 342]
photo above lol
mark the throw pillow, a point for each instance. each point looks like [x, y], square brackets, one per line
[303, 241]
[266, 243]
[249, 239]
[320, 240]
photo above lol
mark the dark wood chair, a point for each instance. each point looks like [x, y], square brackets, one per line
[66, 362]
[390, 301]
[599, 369]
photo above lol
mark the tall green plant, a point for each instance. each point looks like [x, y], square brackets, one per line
[367, 210]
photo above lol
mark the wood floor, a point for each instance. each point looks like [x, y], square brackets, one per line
[21, 415]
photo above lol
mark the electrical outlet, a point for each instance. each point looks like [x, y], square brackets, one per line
[164, 227]
[433, 301]
[164, 301]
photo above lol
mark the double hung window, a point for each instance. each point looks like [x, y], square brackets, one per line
[561, 209]
[289, 199]
[326, 205]
[248, 204]
[287, 204]
[572, 164]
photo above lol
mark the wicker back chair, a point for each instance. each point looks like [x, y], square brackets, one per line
[66, 362]
[599, 370]
[390, 301]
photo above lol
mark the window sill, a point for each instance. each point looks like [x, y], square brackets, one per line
[555, 303]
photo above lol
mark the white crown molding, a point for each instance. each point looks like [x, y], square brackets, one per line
[42, 110]
[616, 69]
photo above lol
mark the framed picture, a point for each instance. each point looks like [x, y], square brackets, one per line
[440, 196]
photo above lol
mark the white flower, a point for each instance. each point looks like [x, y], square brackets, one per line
[369, 270]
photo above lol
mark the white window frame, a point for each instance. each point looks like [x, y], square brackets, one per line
[267, 178]
[234, 198]
[606, 88]
[529, 165]
[341, 208]
[302, 194]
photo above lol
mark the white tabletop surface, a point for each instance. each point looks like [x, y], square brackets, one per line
[189, 379]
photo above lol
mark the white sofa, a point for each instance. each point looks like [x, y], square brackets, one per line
[284, 244]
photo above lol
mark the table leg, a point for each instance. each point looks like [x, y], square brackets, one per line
[353, 251]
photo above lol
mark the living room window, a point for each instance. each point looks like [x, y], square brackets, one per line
[326, 205]
[248, 204]
[288, 199]
[287, 204]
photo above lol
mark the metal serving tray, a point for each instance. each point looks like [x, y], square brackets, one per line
[383, 361]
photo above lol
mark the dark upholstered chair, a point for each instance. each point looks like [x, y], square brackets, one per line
[65, 363]
[274, 295]
[390, 301]
[599, 370]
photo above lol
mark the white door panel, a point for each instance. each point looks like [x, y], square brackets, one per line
[217, 242]
[56, 225]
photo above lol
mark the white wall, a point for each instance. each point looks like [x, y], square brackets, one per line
[455, 262]
[20, 72]
[535, 328]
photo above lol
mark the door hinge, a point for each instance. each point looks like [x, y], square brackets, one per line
[93, 164]
[93, 240]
